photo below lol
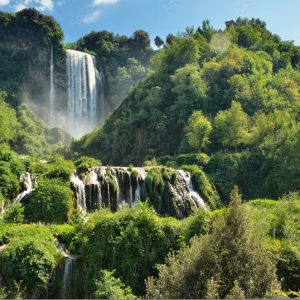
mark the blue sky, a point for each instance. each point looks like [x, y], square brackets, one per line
[161, 17]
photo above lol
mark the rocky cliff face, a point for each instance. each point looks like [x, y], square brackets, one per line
[117, 187]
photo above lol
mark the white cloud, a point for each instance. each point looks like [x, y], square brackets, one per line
[104, 2]
[60, 3]
[41, 5]
[20, 6]
[92, 17]
[4, 2]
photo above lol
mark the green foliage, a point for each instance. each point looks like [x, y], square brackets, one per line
[203, 185]
[28, 259]
[130, 241]
[9, 123]
[198, 131]
[229, 255]
[109, 287]
[11, 168]
[232, 126]
[14, 214]
[64, 233]
[236, 292]
[158, 41]
[25, 38]
[155, 186]
[34, 137]
[84, 163]
[3, 293]
[60, 170]
[245, 79]
[49, 203]
[125, 60]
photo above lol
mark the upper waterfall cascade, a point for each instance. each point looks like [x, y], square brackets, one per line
[52, 89]
[84, 105]
[82, 80]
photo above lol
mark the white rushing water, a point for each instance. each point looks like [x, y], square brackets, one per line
[194, 195]
[130, 188]
[69, 269]
[28, 187]
[79, 191]
[52, 89]
[82, 76]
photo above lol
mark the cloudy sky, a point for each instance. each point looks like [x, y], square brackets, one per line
[160, 17]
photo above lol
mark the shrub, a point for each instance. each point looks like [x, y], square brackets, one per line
[84, 163]
[131, 241]
[28, 259]
[109, 287]
[49, 203]
[14, 214]
[61, 170]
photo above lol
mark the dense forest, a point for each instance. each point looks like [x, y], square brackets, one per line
[212, 113]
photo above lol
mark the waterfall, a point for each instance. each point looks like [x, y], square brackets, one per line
[79, 188]
[102, 96]
[137, 195]
[68, 277]
[130, 187]
[52, 89]
[28, 187]
[108, 195]
[94, 191]
[82, 91]
[99, 196]
[118, 190]
[199, 202]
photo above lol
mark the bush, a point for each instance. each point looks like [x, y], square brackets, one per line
[61, 170]
[231, 255]
[11, 167]
[130, 241]
[109, 287]
[14, 214]
[84, 163]
[28, 259]
[49, 203]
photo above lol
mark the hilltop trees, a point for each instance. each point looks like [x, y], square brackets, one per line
[198, 130]
[158, 41]
[232, 126]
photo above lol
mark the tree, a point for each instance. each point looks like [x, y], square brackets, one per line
[49, 203]
[236, 292]
[207, 30]
[232, 126]
[158, 41]
[232, 255]
[110, 287]
[8, 120]
[198, 130]
[169, 39]
[140, 40]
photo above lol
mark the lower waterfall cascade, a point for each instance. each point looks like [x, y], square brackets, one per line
[67, 288]
[120, 187]
[117, 187]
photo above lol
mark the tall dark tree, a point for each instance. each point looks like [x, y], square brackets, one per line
[158, 41]
[140, 39]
